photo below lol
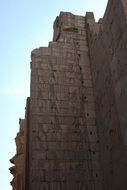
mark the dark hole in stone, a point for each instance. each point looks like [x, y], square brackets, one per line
[96, 175]
[93, 152]
[80, 68]
[111, 148]
[111, 131]
[90, 132]
[87, 114]
[107, 146]
[75, 29]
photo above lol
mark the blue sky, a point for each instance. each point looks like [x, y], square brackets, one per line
[24, 26]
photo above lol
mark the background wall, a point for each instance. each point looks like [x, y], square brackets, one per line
[108, 53]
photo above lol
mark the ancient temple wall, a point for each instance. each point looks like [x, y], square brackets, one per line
[108, 54]
[18, 160]
[74, 135]
[64, 151]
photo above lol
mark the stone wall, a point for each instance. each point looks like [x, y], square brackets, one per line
[74, 136]
[64, 143]
[108, 54]
[18, 160]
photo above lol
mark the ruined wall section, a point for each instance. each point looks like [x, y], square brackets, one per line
[18, 160]
[108, 53]
[64, 152]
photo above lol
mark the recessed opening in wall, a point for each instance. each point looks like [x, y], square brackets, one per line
[112, 131]
[96, 175]
[87, 114]
[80, 68]
[107, 146]
[90, 132]
[93, 152]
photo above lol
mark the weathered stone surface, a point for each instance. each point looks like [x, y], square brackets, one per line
[62, 109]
[18, 159]
[75, 123]
[108, 63]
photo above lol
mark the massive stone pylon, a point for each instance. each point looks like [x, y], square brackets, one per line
[75, 127]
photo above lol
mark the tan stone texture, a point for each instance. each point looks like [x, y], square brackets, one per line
[75, 133]
[64, 142]
[18, 159]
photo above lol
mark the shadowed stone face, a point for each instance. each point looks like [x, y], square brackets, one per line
[62, 109]
[74, 132]
[18, 159]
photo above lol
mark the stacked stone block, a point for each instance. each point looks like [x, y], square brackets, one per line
[64, 142]
[18, 160]
[108, 54]
[74, 135]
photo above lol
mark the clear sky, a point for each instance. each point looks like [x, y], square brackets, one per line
[24, 26]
